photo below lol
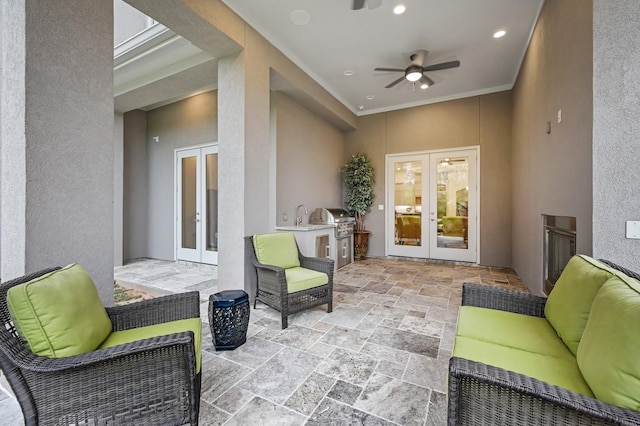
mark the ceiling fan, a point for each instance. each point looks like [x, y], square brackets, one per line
[359, 4]
[415, 72]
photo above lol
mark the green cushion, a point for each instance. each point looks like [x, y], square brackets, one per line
[278, 249]
[569, 303]
[59, 314]
[562, 372]
[134, 334]
[610, 348]
[528, 333]
[299, 279]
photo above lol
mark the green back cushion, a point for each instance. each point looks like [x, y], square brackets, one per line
[59, 314]
[610, 348]
[569, 304]
[278, 249]
[134, 334]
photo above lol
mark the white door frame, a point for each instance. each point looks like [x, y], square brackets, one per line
[200, 253]
[428, 248]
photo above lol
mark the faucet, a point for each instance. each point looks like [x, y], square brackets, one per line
[299, 218]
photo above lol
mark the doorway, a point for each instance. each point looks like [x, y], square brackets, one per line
[432, 205]
[197, 205]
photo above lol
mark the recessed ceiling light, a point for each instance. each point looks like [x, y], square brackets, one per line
[370, 97]
[399, 9]
[348, 73]
[499, 34]
[300, 17]
[424, 86]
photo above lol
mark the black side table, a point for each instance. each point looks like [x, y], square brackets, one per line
[229, 318]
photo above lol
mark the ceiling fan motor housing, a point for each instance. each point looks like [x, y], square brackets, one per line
[413, 72]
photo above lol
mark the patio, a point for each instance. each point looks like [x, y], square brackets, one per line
[380, 357]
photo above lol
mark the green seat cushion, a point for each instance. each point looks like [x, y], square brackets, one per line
[569, 303]
[59, 314]
[278, 249]
[299, 279]
[562, 372]
[610, 348]
[134, 334]
[524, 332]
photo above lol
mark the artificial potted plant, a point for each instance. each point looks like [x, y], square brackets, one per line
[359, 178]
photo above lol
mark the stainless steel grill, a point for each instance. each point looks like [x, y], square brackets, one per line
[342, 251]
[344, 223]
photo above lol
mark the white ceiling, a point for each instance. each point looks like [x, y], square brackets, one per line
[338, 39]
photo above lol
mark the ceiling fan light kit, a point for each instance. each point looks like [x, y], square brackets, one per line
[415, 72]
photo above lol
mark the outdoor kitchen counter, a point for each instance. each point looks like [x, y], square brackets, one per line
[308, 242]
[304, 228]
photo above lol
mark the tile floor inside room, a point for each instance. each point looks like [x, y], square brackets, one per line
[379, 359]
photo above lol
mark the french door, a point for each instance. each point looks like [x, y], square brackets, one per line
[432, 205]
[197, 205]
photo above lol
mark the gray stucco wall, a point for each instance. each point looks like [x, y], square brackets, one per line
[187, 123]
[552, 173]
[12, 140]
[616, 129]
[118, 187]
[483, 121]
[66, 143]
[135, 181]
[309, 157]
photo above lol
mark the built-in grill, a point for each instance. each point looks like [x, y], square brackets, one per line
[343, 224]
[343, 221]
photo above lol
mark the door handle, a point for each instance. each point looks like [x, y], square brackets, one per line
[328, 251]
[344, 251]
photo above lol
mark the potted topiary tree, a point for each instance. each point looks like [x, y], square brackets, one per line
[359, 178]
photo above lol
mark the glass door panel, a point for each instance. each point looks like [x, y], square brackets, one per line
[431, 207]
[453, 198]
[188, 208]
[406, 184]
[210, 228]
[197, 205]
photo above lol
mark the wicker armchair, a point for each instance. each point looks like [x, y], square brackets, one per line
[272, 286]
[148, 382]
[481, 394]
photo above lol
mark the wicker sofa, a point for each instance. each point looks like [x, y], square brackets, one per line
[571, 358]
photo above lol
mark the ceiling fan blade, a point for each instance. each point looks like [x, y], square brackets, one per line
[357, 4]
[427, 80]
[442, 66]
[389, 69]
[393, 83]
[419, 57]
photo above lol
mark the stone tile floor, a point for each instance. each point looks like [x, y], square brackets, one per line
[379, 359]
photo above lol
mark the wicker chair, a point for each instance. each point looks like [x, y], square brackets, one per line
[272, 285]
[481, 394]
[148, 382]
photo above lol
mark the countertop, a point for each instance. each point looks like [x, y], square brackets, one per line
[303, 227]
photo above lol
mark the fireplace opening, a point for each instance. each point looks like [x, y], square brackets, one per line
[559, 246]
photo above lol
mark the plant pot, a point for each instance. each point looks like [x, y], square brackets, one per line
[360, 244]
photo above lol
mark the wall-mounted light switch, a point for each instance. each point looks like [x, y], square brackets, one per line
[559, 116]
[285, 217]
[380, 206]
[633, 229]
